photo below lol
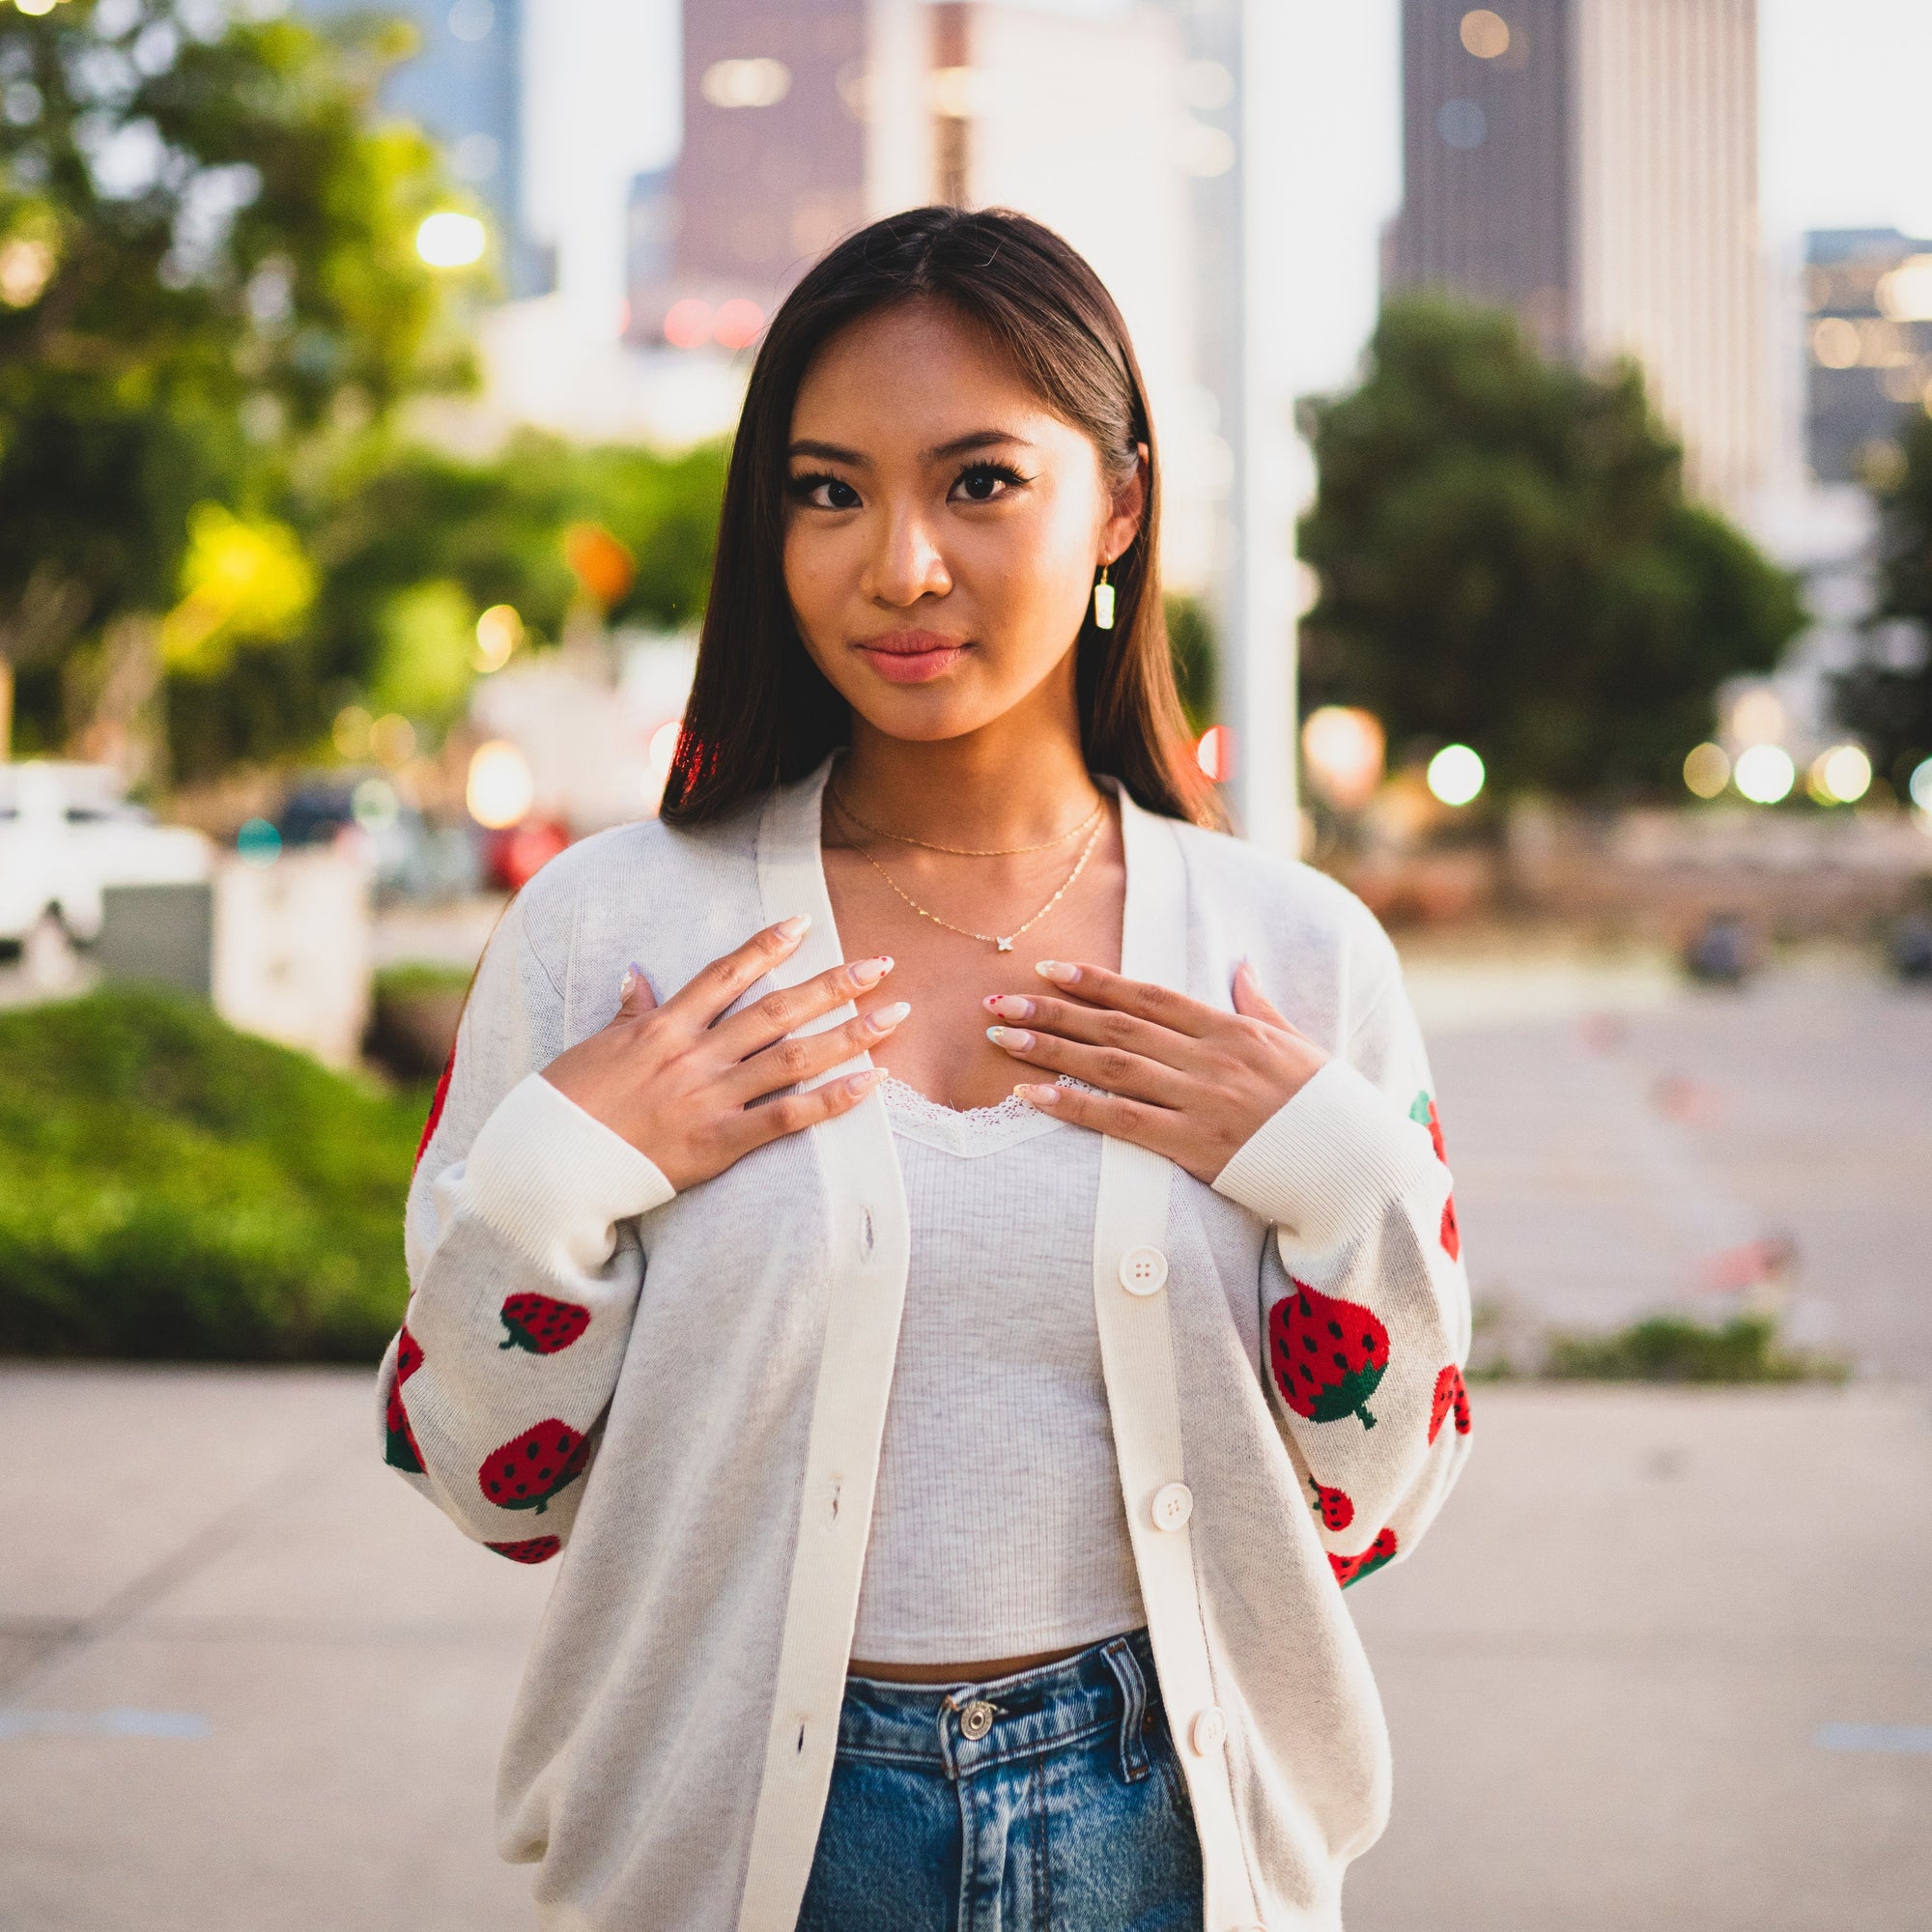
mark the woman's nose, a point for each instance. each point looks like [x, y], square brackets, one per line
[906, 566]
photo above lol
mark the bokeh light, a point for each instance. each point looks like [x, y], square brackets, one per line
[392, 739]
[258, 843]
[1215, 754]
[1839, 776]
[737, 323]
[375, 804]
[687, 323]
[448, 239]
[351, 733]
[664, 749]
[1835, 343]
[1920, 786]
[499, 630]
[1456, 775]
[1765, 774]
[1342, 748]
[1484, 33]
[499, 788]
[1707, 770]
[760, 82]
[1757, 718]
[1905, 295]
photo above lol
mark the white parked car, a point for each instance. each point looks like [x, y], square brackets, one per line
[67, 833]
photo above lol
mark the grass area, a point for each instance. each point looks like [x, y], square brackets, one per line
[1746, 1348]
[171, 1189]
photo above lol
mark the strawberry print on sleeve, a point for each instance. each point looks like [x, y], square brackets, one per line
[541, 1324]
[531, 1549]
[1328, 1355]
[1352, 1568]
[525, 1472]
[400, 1450]
[1452, 1393]
[1332, 1506]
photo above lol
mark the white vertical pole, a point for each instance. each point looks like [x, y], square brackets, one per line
[1260, 649]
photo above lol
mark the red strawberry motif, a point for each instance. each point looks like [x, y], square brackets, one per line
[1329, 1356]
[527, 1471]
[1337, 1509]
[1452, 1235]
[1451, 1392]
[542, 1325]
[1424, 1113]
[536, 1549]
[401, 1451]
[435, 1105]
[1352, 1568]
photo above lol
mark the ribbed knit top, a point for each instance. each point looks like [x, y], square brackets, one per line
[998, 1528]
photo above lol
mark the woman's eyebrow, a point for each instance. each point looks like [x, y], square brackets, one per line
[828, 452]
[980, 439]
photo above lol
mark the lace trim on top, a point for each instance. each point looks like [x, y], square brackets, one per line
[970, 1131]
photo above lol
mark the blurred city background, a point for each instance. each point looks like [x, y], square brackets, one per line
[1545, 397]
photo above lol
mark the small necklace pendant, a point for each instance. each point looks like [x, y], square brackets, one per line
[1005, 944]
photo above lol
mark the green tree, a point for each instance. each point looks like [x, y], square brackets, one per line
[208, 279]
[1886, 696]
[1507, 559]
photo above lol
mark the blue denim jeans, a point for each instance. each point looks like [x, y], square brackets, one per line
[1046, 1802]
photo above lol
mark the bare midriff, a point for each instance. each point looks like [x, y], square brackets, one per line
[958, 1673]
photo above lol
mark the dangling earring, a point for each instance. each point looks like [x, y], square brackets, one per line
[1103, 603]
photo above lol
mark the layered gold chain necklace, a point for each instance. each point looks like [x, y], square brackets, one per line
[1093, 824]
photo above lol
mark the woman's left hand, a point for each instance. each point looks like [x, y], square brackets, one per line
[1184, 1079]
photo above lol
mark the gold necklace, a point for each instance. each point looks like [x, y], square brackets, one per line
[963, 851]
[1005, 944]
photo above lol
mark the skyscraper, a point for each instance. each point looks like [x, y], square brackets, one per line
[1592, 165]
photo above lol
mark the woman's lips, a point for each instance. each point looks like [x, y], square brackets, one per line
[912, 657]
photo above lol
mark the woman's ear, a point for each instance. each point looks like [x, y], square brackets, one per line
[1129, 506]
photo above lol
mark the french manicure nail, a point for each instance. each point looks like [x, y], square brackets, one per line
[627, 982]
[1015, 1039]
[887, 1017]
[870, 972]
[1038, 1097]
[1008, 1006]
[796, 926]
[1058, 971]
[863, 1082]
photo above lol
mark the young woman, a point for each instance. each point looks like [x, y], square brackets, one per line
[958, 1249]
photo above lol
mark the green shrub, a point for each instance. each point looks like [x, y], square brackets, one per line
[1668, 1348]
[171, 1189]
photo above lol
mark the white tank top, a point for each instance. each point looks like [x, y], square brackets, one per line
[998, 1528]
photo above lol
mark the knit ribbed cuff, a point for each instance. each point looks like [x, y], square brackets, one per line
[555, 1181]
[1329, 1163]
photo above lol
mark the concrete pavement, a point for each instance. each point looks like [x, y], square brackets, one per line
[253, 1682]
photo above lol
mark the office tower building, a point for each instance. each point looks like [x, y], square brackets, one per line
[1868, 312]
[1592, 165]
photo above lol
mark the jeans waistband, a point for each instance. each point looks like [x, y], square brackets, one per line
[958, 1729]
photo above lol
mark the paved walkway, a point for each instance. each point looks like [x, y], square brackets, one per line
[1666, 1660]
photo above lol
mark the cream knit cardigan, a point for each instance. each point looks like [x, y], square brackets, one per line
[689, 1390]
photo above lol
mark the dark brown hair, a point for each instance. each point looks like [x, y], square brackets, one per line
[761, 712]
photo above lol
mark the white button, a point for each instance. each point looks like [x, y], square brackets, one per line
[1208, 1730]
[1143, 1270]
[1173, 1505]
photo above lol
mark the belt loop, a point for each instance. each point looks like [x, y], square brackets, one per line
[1127, 1669]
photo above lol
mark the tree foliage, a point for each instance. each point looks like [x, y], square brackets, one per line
[208, 278]
[1508, 559]
[1886, 696]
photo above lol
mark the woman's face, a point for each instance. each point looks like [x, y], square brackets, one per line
[942, 528]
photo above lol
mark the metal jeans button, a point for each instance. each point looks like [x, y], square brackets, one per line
[976, 1720]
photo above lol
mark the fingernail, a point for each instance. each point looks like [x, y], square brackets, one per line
[1008, 1006]
[887, 1017]
[796, 926]
[863, 1082]
[1015, 1039]
[627, 984]
[870, 972]
[1059, 972]
[1038, 1097]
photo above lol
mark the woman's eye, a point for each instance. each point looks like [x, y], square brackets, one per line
[824, 493]
[987, 482]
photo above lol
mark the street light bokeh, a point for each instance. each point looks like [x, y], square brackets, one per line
[449, 239]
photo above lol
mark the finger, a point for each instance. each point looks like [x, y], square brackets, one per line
[635, 997]
[1098, 987]
[708, 992]
[790, 1008]
[1251, 1003]
[1093, 1026]
[1103, 1066]
[1154, 1127]
[759, 1125]
[807, 1055]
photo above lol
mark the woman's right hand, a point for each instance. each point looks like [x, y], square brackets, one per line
[678, 1082]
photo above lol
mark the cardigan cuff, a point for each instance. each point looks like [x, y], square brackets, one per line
[555, 1181]
[1329, 1163]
